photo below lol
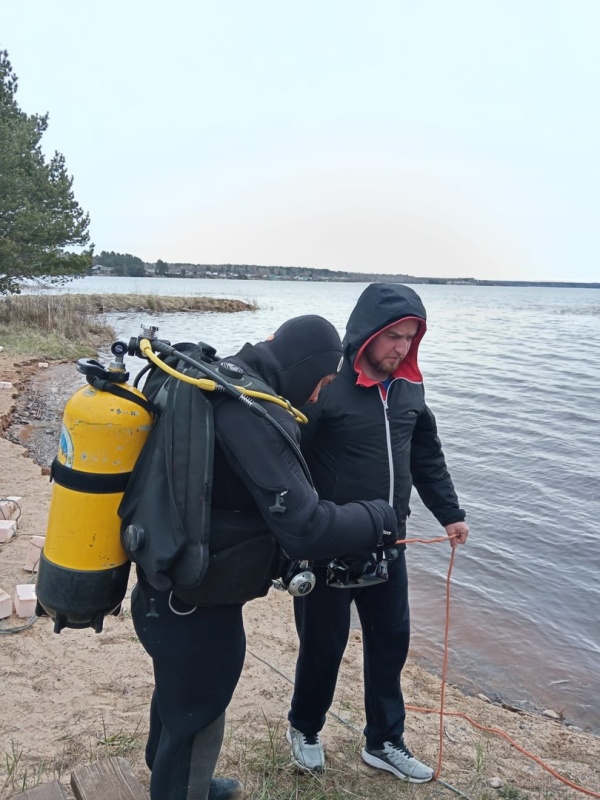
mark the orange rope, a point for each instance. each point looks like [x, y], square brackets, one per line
[443, 713]
[425, 541]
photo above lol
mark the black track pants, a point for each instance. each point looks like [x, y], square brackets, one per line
[323, 624]
[197, 663]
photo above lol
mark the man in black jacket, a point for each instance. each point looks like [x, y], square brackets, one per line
[262, 499]
[370, 435]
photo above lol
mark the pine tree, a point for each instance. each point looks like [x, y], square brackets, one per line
[39, 216]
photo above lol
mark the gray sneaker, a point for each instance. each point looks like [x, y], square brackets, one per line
[396, 757]
[307, 751]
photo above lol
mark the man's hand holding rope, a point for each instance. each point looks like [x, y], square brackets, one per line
[457, 533]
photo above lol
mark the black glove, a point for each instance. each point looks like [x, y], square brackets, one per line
[385, 521]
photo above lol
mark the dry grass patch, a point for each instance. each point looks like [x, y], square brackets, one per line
[72, 326]
[104, 303]
[51, 326]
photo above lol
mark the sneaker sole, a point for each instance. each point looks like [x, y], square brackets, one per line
[378, 763]
[302, 767]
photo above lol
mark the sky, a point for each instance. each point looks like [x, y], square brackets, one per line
[440, 138]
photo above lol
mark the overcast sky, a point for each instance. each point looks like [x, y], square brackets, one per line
[455, 138]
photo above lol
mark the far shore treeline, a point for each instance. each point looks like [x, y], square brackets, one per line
[127, 265]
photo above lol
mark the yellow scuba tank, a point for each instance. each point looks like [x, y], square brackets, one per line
[83, 571]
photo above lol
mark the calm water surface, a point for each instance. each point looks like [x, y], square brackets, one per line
[513, 376]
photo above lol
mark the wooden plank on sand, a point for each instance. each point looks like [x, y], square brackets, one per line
[45, 791]
[108, 779]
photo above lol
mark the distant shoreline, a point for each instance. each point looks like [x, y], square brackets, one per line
[130, 266]
[352, 278]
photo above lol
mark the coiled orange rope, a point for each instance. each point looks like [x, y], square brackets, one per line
[443, 713]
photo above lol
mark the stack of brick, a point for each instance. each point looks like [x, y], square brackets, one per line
[10, 507]
[25, 600]
[34, 553]
[5, 604]
[8, 529]
[10, 510]
[24, 596]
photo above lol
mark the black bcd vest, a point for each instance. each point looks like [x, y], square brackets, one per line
[205, 558]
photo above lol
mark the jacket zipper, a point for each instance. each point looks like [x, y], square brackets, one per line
[388, 439]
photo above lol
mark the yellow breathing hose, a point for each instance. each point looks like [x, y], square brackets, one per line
[210, 386]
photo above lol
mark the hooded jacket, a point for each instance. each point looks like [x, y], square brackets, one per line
[219, 490]
[363, 441]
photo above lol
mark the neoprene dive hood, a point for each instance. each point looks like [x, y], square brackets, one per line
[297, 356]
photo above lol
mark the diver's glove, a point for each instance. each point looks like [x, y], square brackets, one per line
[385, 521]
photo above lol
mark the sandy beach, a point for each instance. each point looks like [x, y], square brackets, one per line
[69, 699]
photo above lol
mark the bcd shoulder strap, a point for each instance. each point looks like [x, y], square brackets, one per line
[165, 510]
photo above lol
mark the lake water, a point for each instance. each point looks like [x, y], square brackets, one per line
[513, 377]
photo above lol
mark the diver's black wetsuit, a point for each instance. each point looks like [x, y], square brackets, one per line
[198, 653]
